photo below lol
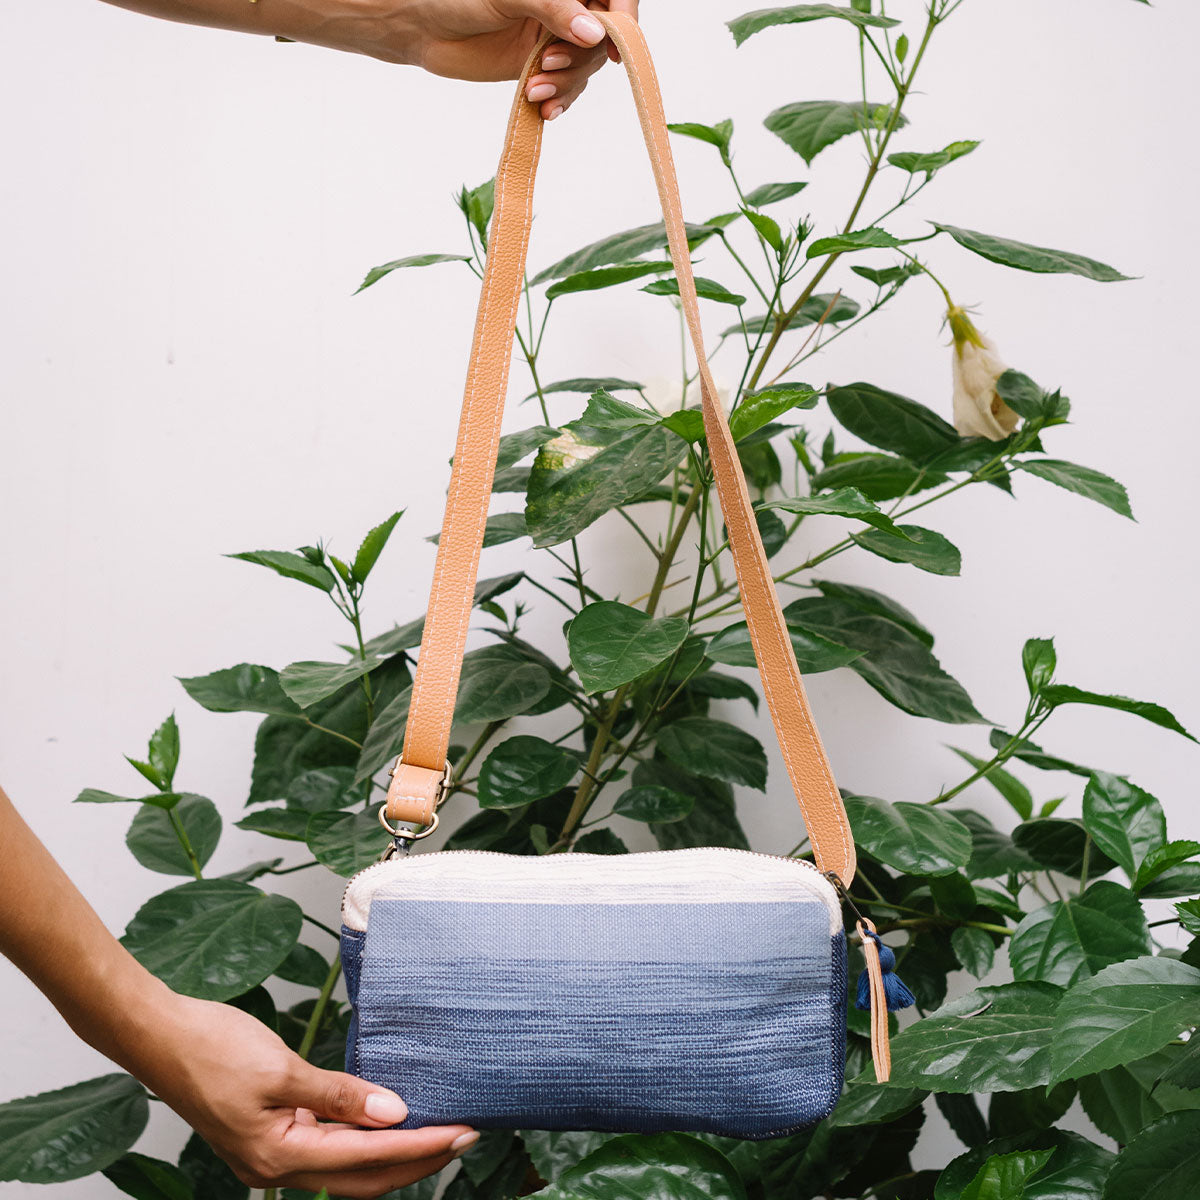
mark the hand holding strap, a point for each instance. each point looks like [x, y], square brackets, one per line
[417, 778]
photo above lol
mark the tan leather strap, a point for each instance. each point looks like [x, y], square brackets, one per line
[436, 685]
[881, 1050]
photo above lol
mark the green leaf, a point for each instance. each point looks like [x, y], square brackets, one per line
[308, 682]
[589, 383]
[244, 688]
[1188, 913]
[1073, 939]
[1031, 753]
[152, 839]
[620, 248]
[733, 647]
[1127, 823]
[993, 1039]
[877, 476]
[1123, 1013]
[323, 788]
[934, 161]
[304, 966]
[1004, 1177]
[523, 769]
[653, 803]
[751, 23]
[1084, 481]
[1025, 257]
[765, 405]
[148, 1178]
[477, 205]
[211, 1178]
[660, 1166]
[583, 473]
[925, 549]
[1009, 786]
[876, 603]
[384, 737]
[516, 446]
[974, 949]
[290, 566]
[766, 227]
[895, 663]
[1076, 1170]
[605, 277]
[605, 411]
[375, 274]
[345, 842]
[715, 749]
[914, 838]
[706, 289]
[1021, 394]
[213, 938]
[498, 683]
[772, 193]
[96, 796]
[600, 841]
[1185, 1070]
[1061, 693]
[1011, 1113]
[1059, 844]
[1161, 1163]
[883, 277]
[865, 1102]
[718, 135]
[1162, 859]
[845, 502]
[1122, 1101]
[164, 750]
[277, 823]
[993, 853]
[891, 421]
[847, 243]
[809, 126]
[611, 644]
[372, 547]
[1038, 659]
[1176, 881]
[723, 687]
[71, 1132]
[554, 1151]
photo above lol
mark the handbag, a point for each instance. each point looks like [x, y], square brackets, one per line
[696, 989]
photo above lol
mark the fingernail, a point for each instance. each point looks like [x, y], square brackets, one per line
[552, 62]
[541, 91]
[587, 29]
[386, 1107]
[463, 1143]
[555, 112]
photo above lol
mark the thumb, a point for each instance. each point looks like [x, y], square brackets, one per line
[346, 1098]
[567, 19]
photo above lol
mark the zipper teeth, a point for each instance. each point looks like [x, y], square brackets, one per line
[799, 862]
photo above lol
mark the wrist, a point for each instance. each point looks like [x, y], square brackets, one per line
[380, 29]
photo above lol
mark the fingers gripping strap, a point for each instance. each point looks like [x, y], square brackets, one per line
[435, 688]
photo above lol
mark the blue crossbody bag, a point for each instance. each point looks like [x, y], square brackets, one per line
[700, 989]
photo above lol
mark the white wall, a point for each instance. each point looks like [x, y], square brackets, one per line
[185, 373]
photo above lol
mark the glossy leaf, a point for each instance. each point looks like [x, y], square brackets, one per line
[993, 1039]
[660, 1166]
[846, 243]
[384, 737]
[152, 838]
[760, 407]
[605, 277]
[375, 274]
[878, 476]
[1122, 1101]
[706, 289]
[605, 411]
[73, 1131]
[1123, 1013]
[498, 683]
[214, 938]
[809, 126]
[1161, 1163]
[282, 823]
[891, 421]
[290, 566]
[1009, 786]
[345, 842]
[717, 135]
[1038, 659]
[751, 23]
[308, 682]
[993, 853]
[928, 164]
[715, 749]
[1084, 481]
[653, 803]
[164, 750]
[733, 647]
[611, 644]
[1025, 257]
[1076, 1169]
[1073, 939]
[372, 546]
[1059, 845]
[147, 1178]
[1126, 822]
[620, 248]
[712, 822]
[523, 769]
[865, 1102]
[587, 383]
[925, 549]
[910, 837]
[96, 796]
[772, 193]
[244, 688]
[974, 949]
[1005, 1176]
[844, 502]
[303, 965]
[211, 1177]
[876, 603]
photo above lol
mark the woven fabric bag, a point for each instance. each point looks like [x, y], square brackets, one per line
[700, 989]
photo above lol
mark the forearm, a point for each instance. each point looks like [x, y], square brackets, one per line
[380, 28]
[53, 935]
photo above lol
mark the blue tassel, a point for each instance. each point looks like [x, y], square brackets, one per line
[898, 996]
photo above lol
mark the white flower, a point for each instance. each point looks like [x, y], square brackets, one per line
[978, 409]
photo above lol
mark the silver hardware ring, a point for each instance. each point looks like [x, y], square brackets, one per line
[406, 834]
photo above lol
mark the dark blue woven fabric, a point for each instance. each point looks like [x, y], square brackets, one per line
[724, 1018]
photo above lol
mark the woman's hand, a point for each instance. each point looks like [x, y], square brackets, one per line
[257, 1104]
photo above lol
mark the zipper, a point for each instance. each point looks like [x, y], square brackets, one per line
[828, 876]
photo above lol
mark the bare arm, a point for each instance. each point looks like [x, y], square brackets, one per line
[464, 39]
[260, 1116]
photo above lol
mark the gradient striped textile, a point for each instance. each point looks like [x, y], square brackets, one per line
[698, 990]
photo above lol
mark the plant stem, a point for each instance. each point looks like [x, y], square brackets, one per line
[185, 842]
[314, 1020]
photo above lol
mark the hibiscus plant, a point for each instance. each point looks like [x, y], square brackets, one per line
[1066, 1069]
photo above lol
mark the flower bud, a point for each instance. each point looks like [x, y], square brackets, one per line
[978, 409]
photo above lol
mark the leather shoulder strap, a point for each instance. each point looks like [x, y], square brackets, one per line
[418, 775]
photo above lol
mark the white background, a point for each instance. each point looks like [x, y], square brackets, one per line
[185, 373]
